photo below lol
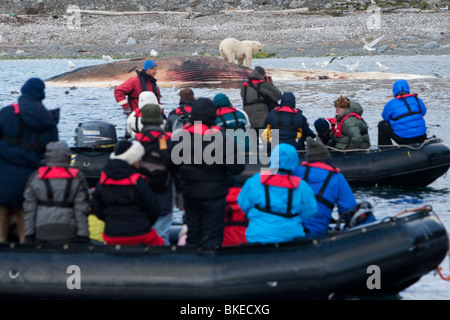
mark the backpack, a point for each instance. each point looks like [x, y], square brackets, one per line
[154, 162]
[184, 117]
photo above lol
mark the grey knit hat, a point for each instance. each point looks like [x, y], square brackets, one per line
[316, 150]
[57, 154]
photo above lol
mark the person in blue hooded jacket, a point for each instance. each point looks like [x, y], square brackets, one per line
[276, 202]
[403, 117]
[25, 129]
[329, 185]
[292, 124]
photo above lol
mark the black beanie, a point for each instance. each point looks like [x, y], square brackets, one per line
[316, 151]
[204, 110]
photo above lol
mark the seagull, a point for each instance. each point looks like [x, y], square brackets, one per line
[352, 67]
[303, 65]
[107, 58]
[215, 28]
[381, 66]
[153, 53]
[369, 46]
[71, 65]
[322, 64]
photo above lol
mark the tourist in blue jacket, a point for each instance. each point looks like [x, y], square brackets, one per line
[25, 129]
[403, 117]
[277, 202]
[329, 185]
[290, 121]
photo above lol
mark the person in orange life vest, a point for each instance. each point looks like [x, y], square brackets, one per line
[124, 200]
[25, 129]
[180, 116]
[127, 93]
[351, 129]
[403, 117]
[277, 202]
[56, 200]
[203, 183]
[154, 165]
[134, 123]
[292, 124]
[325, 128]
[328, 183]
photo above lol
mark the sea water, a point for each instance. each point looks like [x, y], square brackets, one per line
[314, 98]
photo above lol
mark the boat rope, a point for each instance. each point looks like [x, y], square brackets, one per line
[385, 147]
[430, 209]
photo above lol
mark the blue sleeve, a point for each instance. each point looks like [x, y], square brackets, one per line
[308, 202]
[386, 112]
[346, 199]
[245, 198]
[423, 108]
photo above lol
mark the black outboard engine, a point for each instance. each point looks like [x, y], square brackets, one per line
[94, 141]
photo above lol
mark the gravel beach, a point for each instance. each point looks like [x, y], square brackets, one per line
[283, 33]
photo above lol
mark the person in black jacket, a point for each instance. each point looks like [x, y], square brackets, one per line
[124, 200]
[198, 156]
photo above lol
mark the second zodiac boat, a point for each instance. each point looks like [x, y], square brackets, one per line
[415, 165]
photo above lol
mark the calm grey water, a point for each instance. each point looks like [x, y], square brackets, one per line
[315, 98]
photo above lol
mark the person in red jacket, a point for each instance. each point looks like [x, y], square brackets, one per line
[236, 221]
[127, 94]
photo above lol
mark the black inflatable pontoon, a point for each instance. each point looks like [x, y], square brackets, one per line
[415, 165]
[401, 249]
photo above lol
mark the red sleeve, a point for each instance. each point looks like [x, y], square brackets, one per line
[121, 92]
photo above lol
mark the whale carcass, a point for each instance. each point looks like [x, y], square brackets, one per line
[199, 71]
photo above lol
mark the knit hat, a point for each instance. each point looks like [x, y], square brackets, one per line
[147, 97]
[34, 87]
[130, 152]
[221, 100]
[57, 154]
[322, 125]
[187, 94]
[316, 151]
[204, 110]
[148, 64]
[151, 114]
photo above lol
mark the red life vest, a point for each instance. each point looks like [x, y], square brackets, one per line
[131, 180]
[224, 110]
[236, 221]
[333, 123]
[183, 110]
[202, 129]
[338, 132]
[406, 95]
[16, 108]
[320, 165]
[57, 173]
[154, 134]
[288, 182]
[253, 81]
[46, 173]
[286, 109]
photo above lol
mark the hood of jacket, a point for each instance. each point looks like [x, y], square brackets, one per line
[284, 156]
[118, 169]
[255, 75]
[204, 110]
[288, 99]
[34, 114]
[399, 87]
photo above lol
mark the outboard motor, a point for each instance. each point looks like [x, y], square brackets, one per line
[94, 141]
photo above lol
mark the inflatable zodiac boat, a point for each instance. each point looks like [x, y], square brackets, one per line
[380, 258]
[405, 165]
[415, 165]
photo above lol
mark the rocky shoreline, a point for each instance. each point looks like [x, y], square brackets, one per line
[284, 33]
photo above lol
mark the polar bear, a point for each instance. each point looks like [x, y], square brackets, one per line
[232, 49]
